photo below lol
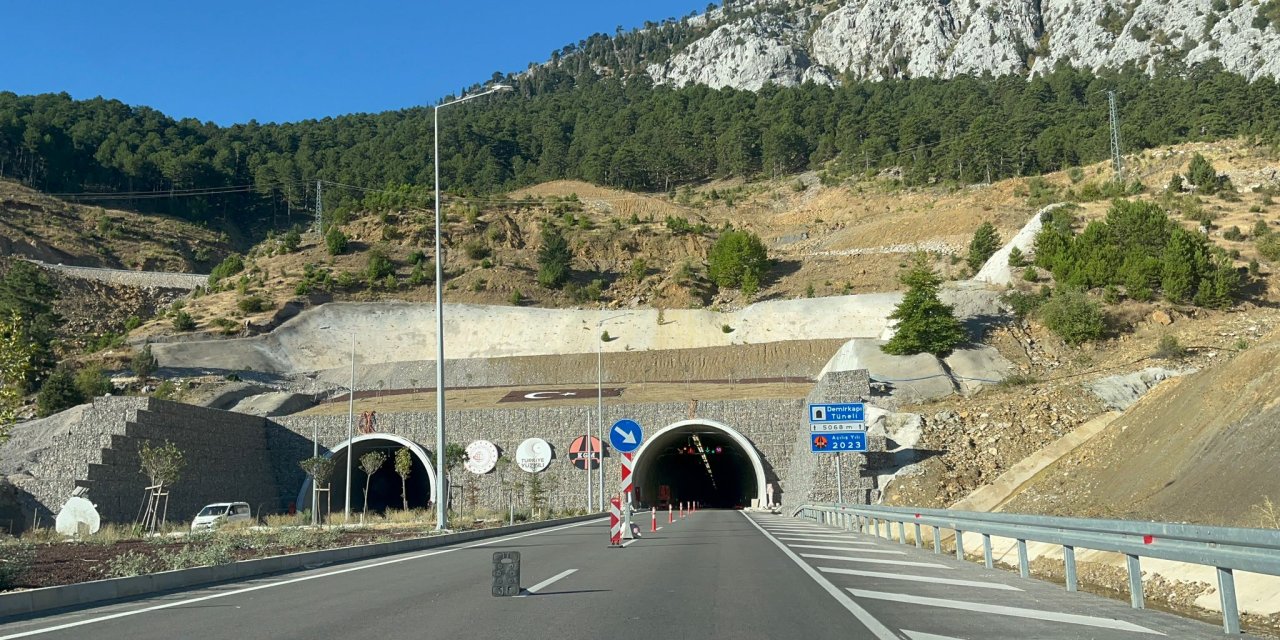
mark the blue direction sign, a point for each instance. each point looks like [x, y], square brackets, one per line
[838, 441]
[835, 413]
[625, 436]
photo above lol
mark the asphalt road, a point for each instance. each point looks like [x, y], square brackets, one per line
[715, 574]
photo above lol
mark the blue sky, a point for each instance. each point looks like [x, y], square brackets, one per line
[233, 60]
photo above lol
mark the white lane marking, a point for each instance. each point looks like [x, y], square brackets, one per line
[920, 635]
[214, 596]
[900, 563]
[876, 628]
[624, 545]
[1000, 610]
[816, 539]
[543, 585]
[889, 552]
[902, 576]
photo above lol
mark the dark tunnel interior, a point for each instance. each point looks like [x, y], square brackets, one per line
[384, 488]
[695, 463]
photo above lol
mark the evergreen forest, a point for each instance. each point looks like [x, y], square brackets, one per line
[561, 123]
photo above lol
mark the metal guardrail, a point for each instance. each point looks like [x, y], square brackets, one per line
[1227, 549]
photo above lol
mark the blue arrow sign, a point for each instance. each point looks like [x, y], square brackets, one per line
[838, 441]
[839, 412]
[626, 436]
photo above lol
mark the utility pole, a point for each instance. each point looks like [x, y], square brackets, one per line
[319, 208]
[1115, 137]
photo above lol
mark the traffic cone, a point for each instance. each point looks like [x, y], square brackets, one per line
[681, 510]
[670, 517]
[653, 511]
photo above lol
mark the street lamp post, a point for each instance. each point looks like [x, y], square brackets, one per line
[441, 516]
[351, 410]
[600, 400]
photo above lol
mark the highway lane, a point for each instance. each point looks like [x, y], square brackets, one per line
[713, 574]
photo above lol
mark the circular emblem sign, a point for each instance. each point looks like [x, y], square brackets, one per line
[533, 455]
[481, 456]
[579, 455]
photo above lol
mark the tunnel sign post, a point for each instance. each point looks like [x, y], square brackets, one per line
[836, 427]
[625, 437]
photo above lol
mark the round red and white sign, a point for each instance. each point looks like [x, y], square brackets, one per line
[482, 455]
[533, 455]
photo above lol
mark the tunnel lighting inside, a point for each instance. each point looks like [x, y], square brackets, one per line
[695, 462]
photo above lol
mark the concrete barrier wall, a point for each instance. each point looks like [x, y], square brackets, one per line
[21, 603]
[141, 279]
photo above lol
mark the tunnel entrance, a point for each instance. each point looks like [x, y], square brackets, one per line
[698, 460]
[384, 488]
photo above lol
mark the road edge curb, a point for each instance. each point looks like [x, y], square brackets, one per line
[34, 601]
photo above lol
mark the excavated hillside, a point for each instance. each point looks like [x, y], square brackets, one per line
[39, 227]
[1201, 449]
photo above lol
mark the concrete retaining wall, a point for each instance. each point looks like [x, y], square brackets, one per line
[140, 279]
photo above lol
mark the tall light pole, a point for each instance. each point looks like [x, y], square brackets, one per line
[600, 400]
[441, 516]
[351, 413]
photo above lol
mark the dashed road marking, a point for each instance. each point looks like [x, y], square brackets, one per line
[899, 563]
[913, 578]
[1000, 610]
[889, 552]
[545, 583]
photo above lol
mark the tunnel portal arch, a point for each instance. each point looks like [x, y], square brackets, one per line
[338, 481]
[647, 458]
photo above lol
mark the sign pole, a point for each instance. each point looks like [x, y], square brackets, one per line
[839, 482]
[586, 466]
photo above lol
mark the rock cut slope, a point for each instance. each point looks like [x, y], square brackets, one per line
[787, 43]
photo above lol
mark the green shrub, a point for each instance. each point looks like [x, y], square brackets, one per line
[58, 393]
[92, 382]
[1072, 316]
[229, 266]
[131, 323]
[1023, 305]
[335, 241]
[379, 266]
[182, 321]
[1200, 172]
[516, 298]
[1169, 349]
[737, 259]
[253, 304]
[1269, 247]
[1233, 233]
[1016, 258]
[476, 249]
[144, 362]
[291, 240]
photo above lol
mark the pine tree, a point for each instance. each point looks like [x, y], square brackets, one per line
[1200, 172]
[925, 325]
[58, 393]
[554, 257]
[1182, 264]
[984, 244]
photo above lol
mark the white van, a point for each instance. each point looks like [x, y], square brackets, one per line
[219, 513]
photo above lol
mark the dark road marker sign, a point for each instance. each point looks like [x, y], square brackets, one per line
[506, 573]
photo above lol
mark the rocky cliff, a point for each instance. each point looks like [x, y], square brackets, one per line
[747, 45]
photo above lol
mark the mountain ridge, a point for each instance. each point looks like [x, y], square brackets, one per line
[746, 45]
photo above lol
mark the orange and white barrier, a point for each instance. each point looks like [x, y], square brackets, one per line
[615, 522]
